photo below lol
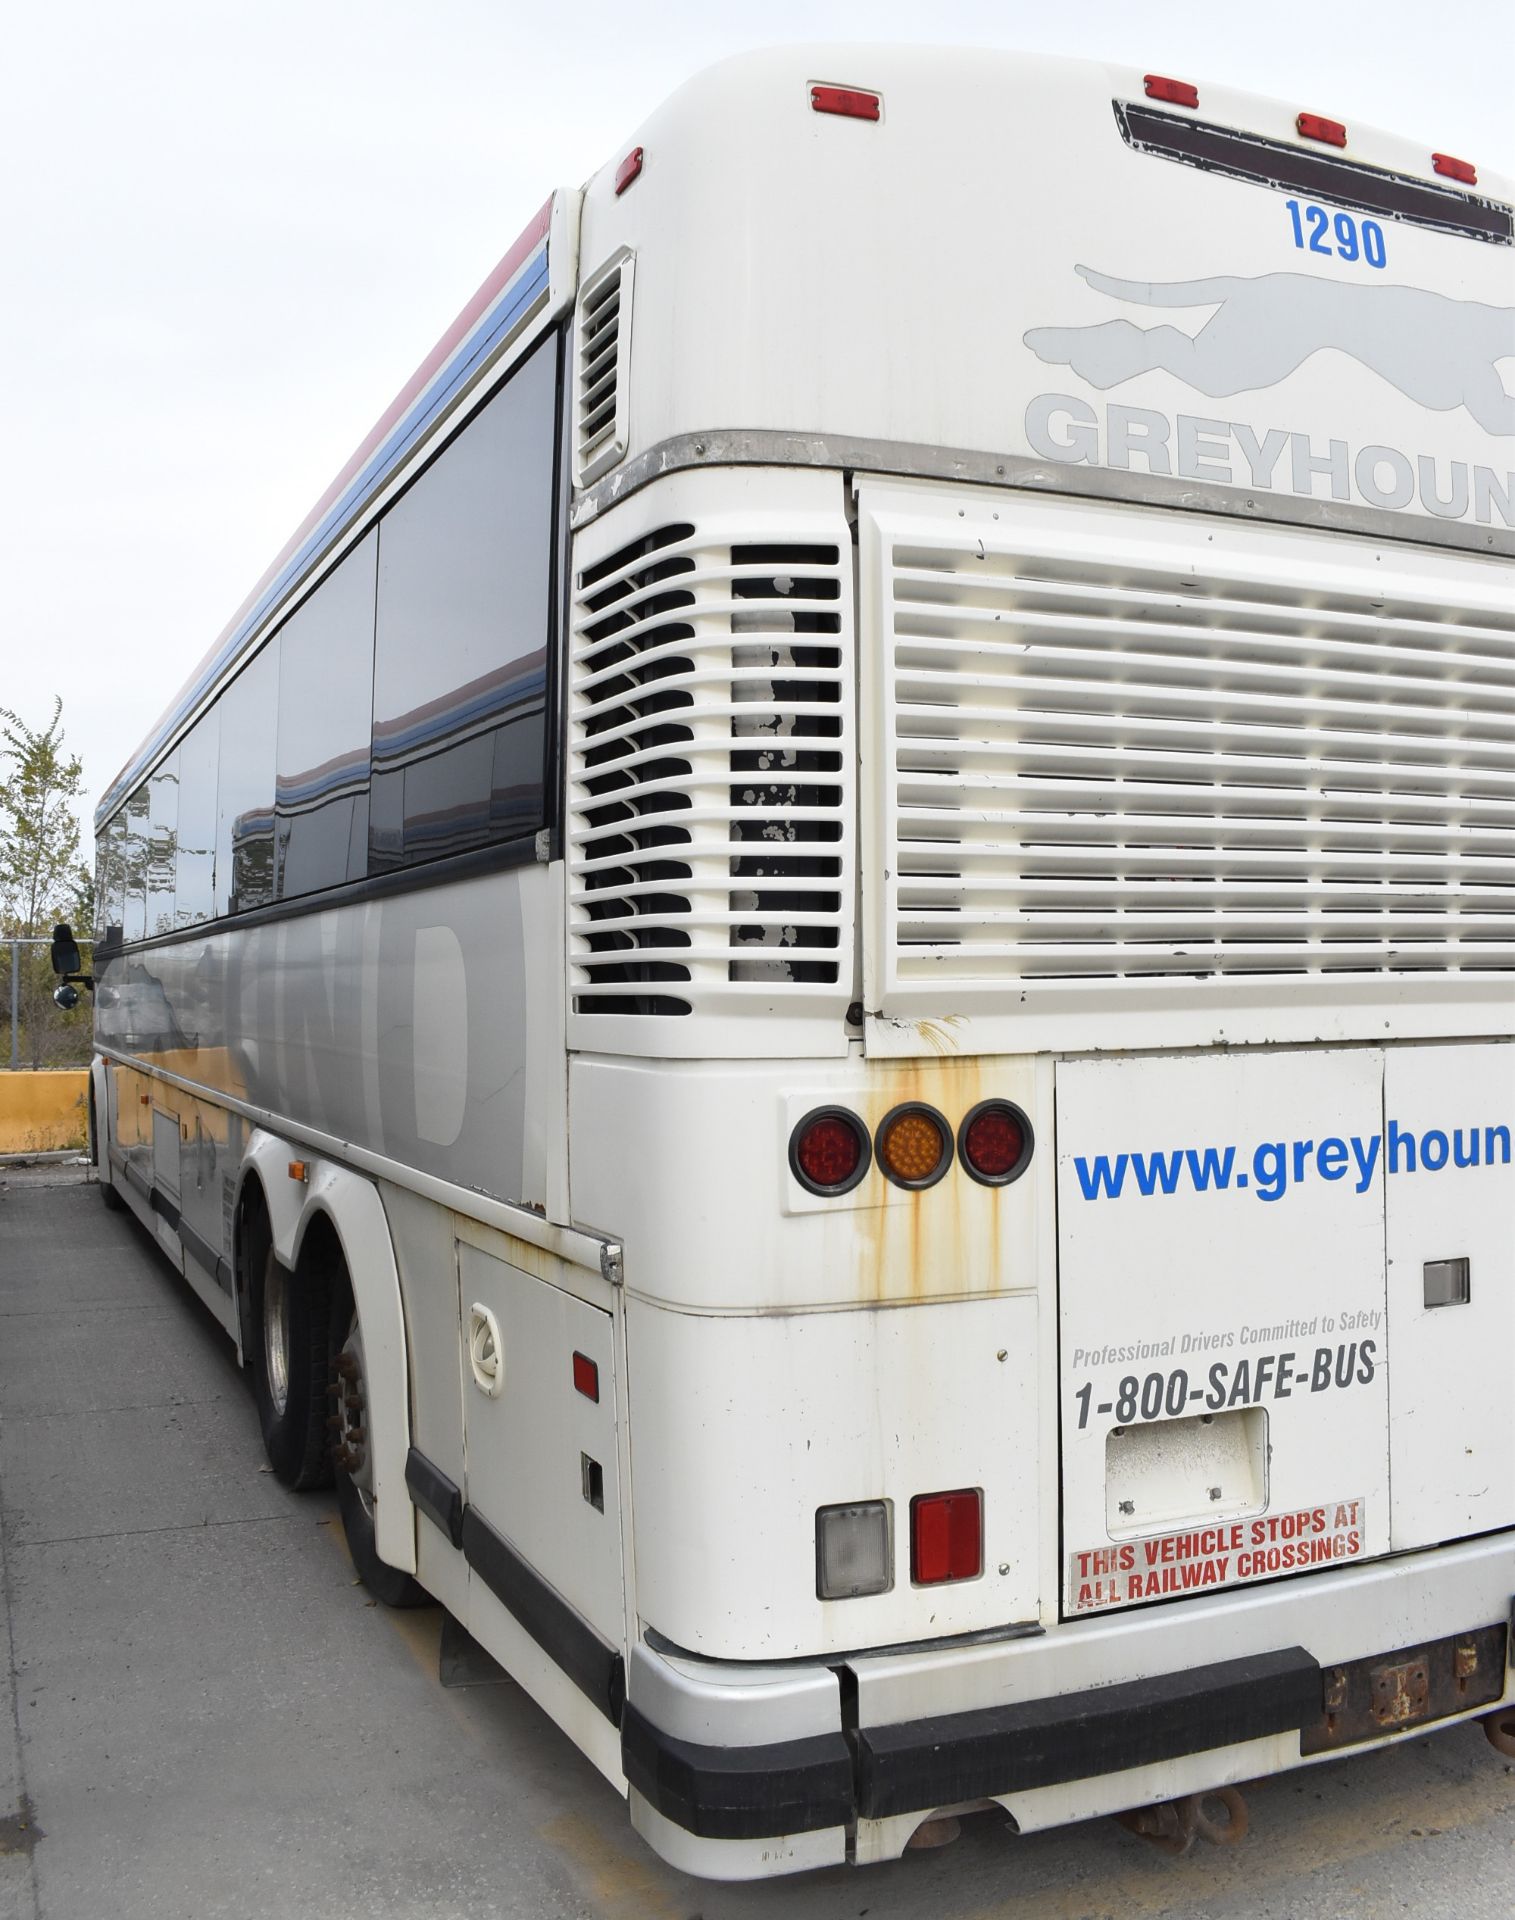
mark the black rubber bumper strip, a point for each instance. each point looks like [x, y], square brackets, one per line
[938, 1762]
[439, 1498]
[564, 1635]
[740, 1793]
[206, 1254]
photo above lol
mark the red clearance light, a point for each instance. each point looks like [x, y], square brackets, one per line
[628, 170]
[1462, 170]
[829, 1151]
[946, 1537]
[586, 1377]
[851, 102]
[1312, 126]
[1177, 93]
[995, 1141]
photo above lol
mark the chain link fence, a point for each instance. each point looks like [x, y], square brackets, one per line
[34, 1032]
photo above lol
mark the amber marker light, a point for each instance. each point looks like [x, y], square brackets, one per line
[913, 1145]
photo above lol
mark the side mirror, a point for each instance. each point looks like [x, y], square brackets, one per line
[67, 964]
[65, 951]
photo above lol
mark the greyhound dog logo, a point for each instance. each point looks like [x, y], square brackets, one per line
[1439, 352]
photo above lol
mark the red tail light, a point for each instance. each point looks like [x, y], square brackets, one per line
[995, 1142]
[946, 1537]
[829, 1151]
[586, 1376]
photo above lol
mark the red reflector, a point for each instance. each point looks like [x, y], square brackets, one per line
[848, 101]
[1462, 170]
[1177, 92]
[586, 1376]
[1312, 126]
[628, 170]
[946, 1537]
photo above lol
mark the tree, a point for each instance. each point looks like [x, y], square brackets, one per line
[39, 830]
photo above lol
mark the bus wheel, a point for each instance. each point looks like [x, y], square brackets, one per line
[289, 1319]
[353, 1459]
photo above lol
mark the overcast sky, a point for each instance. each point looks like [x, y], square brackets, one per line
[232, 228]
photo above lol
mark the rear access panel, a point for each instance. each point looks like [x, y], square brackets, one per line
[1224, 1385]
[1449, 1112]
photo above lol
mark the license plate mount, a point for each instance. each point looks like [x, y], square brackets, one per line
[1408, 1687]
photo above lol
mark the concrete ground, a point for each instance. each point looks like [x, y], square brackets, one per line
[204, 1715]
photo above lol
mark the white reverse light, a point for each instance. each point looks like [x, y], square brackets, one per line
[852, 1551]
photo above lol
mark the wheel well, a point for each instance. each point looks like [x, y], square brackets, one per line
[250, 1218]
[321, 1248]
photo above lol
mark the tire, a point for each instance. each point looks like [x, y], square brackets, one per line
[291, 1361]
[113, 1201]
[354, 1497]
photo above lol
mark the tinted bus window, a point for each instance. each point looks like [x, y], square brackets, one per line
[465, 581]
[195, 866]
[162, 842]
[249, 711]
[325, 711]
[134, 842]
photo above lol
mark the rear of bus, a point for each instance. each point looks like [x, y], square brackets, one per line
[1040, 845]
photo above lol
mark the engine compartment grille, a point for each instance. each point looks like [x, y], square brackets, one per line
[711, 754]
[1123, 750]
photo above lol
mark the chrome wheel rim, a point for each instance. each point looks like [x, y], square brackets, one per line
[276, 1333]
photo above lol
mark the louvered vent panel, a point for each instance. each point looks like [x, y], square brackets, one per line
[1109, 765]
[603, 334]
[711, 772]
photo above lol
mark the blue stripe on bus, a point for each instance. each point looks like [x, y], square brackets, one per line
[516, 300]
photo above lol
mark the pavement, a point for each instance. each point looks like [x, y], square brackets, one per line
[204, 1715]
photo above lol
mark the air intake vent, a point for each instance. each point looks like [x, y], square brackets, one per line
[600, 369]
[1126, 748]
[711, 768]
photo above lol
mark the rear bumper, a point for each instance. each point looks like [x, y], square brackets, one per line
[737, 1770]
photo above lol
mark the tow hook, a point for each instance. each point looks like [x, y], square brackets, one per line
[1500, 1728]
[1172, 1826]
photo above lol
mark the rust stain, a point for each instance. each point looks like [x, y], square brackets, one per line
[938, 1242]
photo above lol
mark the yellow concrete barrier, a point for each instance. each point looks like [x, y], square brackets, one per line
[43, 1112]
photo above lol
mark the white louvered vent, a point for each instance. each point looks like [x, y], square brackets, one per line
[1124, 748]
[603, 333]
[711, 744]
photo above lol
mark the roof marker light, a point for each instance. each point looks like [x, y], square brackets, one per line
[1177, 93]
[628, 170]
[1462, 170]
[1314, 126]
[851, 102]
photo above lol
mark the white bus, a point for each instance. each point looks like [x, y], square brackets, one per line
[832, 958]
